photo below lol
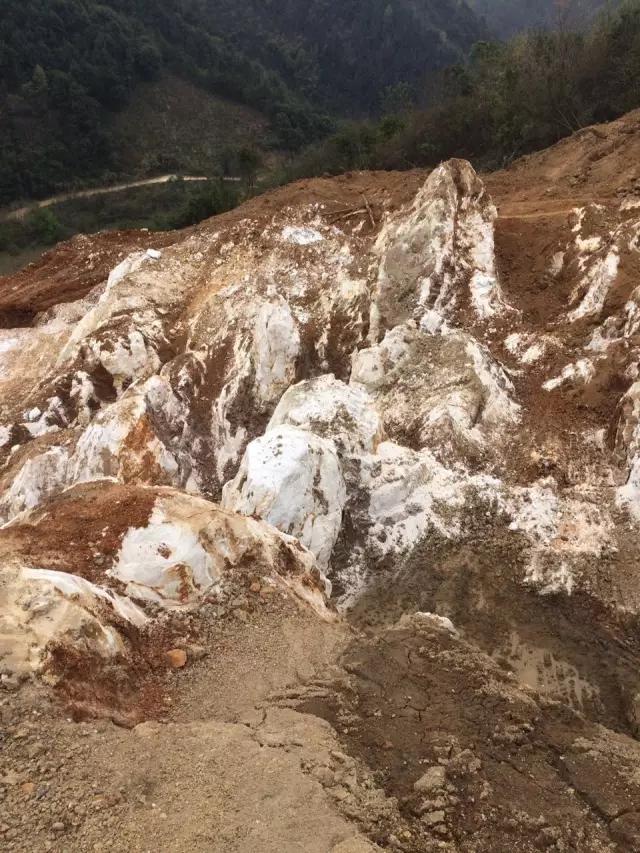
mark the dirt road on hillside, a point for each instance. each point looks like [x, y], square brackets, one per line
[21, 212]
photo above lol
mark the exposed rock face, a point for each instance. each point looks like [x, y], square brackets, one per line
[440, 252]
[441, 390]
[325, 405]
[423, 404]
[349, 386]
[40, 606]
[179, 550]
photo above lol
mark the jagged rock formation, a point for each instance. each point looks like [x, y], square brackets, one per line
[424, 402]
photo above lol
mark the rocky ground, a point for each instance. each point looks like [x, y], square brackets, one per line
[321, 520]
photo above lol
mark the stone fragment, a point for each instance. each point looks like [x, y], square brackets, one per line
[434, 778]
[176, 658]
[433, 818]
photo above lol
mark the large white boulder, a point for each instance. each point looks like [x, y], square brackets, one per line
[41, 607]
[121, 443]
[37, 478]
[293, 480]
[439, 252]
[118, 555]
[331, 409]
[276, 346]
[443, 391]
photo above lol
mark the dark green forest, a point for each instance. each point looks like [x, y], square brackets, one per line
[65, 65]
[506, 100]
[341, 55]
[356, 85]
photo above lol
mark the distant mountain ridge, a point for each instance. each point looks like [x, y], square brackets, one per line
[506, 18]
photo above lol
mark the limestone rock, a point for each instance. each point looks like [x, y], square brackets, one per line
[439, 252]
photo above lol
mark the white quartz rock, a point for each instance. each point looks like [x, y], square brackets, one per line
[332, 409]
[121, 443]
[293, 480]
[166, 561]
[435, 250]
[276, 344]
[41, 476]
[40, 606]
[434, 390]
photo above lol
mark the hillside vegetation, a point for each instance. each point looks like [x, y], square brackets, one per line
[172, 125]
[93, 116]
[68, 66]
[344, 54]
[508, 99]
[158, 207]
[506, 18]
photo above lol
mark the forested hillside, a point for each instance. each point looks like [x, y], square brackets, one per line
[343, 54]
[508, 99]
[67, 65]
[506, 18]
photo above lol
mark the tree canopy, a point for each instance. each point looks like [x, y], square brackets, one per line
[505, 100]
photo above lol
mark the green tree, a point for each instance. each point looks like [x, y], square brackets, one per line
[38, 84]
[397, 99]
[215, 198]
[43, 227]
[249, 161]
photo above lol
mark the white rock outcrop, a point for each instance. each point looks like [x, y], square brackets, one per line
[351, 391]
[331, 409]
[41, 607]
[436, 390]
[186, 550]
[438, 253]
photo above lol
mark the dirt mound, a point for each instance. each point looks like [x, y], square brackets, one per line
[69, 271]
[597, 163]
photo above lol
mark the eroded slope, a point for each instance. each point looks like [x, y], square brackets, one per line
[375, 398]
